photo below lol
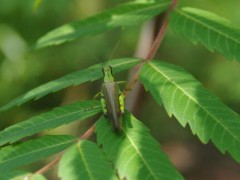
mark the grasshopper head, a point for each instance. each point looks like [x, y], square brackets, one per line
[107, 73]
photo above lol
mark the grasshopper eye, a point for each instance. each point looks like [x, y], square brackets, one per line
[107, 69]
[103, 71]
[110, 69]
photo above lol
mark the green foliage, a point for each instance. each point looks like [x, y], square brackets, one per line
[27, 152]
[85, 160]
[207, 28]
[90, 74]
[134, 153]
[20, 175]
[49, 120]
[12, 175]
[184, 97]
[122, 16]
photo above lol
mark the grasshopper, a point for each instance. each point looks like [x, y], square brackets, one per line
[112, 99]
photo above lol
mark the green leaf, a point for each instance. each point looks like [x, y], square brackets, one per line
[133, 152]
[128, 14]
[52, 119]
[85, 161]
[207, 28]
[37, 4]
[20, 175]
[90, 74]
[13, 175]
[184, 97]
[35, 177]
[31, 151]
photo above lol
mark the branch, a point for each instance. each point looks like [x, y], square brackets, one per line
[153, 48]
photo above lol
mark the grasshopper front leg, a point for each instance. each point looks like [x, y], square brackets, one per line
[103, 103]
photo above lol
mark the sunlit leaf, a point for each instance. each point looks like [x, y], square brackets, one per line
[37, 4]
[85, 161]
[12, 175]
[214, 32]
[52, 119]
[20, 175]
[90, 74]
[185, 97]
[31, 151]
[124, 15]
[134, 153]
[33, 177]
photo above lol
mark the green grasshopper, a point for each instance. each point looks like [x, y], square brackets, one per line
[112, 99]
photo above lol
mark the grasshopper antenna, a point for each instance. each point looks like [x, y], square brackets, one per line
[114, 50]
[92, 56]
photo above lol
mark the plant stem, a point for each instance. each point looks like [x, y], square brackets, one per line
[49, 165]
[133, 83]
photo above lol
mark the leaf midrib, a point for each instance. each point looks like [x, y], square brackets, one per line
[106, 18]
[47, 90]
[45, 122]
[191, 98]
[84, 161]
[152, 6]
[72, 81]
[140, 155]
[39, 150]
[206, 25]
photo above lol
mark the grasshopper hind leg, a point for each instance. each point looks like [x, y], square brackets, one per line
[121, 102]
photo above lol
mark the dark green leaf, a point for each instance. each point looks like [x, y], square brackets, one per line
[209, 29]
[134, 153]
[85, 161]
[184, 97]
[31, 151]
[49, 120]
[128, 14]
[90, 74]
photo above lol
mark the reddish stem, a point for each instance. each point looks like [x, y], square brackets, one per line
[153, 48]
[57, 159]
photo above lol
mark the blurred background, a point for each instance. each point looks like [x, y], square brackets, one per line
[22, 23]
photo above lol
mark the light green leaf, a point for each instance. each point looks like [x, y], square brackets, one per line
[52, 119]
[37, 4]
[20, 175]
[85, 161]
[35, 177]
[90, 74]
[124, 15]
[214, 32]
[184, 97]
[12, 175]
[31, 151]
[133, 152]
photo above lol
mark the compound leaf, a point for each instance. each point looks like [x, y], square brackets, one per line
[31, 151]
[124, 15]
[133, 152]
[52, 119]
[85, 160]
[90, 74]
[214, 32]
[185, 97]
